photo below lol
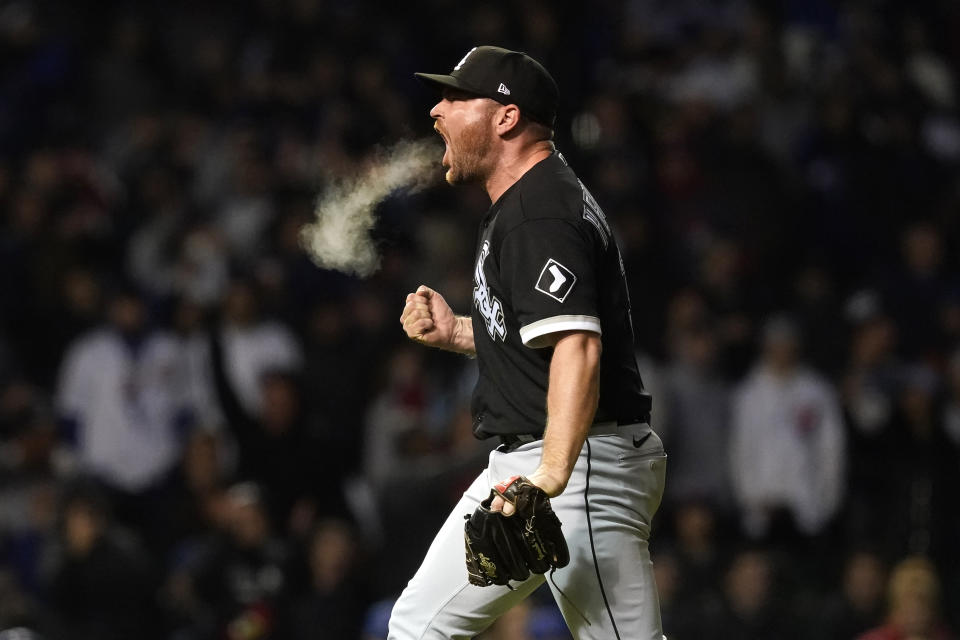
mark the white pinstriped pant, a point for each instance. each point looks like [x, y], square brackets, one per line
[606, 510]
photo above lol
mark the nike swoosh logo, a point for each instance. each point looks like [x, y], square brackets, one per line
[639, 443]
[559, 278]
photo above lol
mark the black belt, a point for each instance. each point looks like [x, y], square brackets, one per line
[514, 440]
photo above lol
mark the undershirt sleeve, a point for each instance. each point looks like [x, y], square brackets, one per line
[548, 268]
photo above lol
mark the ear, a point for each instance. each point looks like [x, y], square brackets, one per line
[506, 119]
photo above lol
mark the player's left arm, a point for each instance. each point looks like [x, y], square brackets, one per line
[549, 265]
[572, 394]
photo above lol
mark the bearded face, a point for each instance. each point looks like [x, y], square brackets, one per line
[469, 138]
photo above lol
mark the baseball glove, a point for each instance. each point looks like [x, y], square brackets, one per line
[503, 548]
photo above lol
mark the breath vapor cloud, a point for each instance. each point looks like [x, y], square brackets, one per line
[339, 238]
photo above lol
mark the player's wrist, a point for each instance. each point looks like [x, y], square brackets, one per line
[461, 339]
[457, 331]
[552, 481]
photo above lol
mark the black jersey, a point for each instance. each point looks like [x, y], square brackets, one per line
[547, 262]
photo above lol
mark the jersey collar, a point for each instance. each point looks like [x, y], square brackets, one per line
[496, 206]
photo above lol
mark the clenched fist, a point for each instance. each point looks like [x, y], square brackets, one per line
[427, 318]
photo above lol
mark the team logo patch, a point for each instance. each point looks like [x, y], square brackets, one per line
[555, 280]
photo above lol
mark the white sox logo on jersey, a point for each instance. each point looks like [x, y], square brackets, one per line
[488, 306]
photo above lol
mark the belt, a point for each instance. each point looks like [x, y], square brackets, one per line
[514, 440]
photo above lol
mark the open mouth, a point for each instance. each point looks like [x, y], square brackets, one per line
[445, 161]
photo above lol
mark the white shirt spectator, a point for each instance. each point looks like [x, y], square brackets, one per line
[126, 404]
[787, 449]
[250, 351]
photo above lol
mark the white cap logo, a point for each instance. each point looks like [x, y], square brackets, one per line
[503, 89]
[464, 59]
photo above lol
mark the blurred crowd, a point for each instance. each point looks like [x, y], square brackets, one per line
[205, 436]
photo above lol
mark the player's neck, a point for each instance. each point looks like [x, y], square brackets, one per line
[513, 165]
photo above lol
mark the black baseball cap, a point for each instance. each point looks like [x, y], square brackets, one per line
[509, 77]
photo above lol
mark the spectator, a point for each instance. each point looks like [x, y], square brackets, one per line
[252, 346]
[927, 471]
[752, 609]
[102, 584]
[185, 506]
[687, 612]
[332, 364]
[397, 429]
[276, 446]
[120, 391]
[32, 463]
[416, 427]
[245, 206]
[873, 368]
[787, 443]
[914, 600]
[816, 307]
[698, 553]
[917, 292]
[858, 606]
[868, 389]
[336, 598]
[28, 435]
[243, 578]
[186, 615]
[724, 281]
[27, 530]
[698, 419]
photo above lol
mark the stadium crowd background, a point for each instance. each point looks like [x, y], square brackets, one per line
[202, 435]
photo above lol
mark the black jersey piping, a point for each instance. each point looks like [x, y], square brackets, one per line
[593, 549]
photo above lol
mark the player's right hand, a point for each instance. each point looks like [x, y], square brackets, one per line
[427, 318]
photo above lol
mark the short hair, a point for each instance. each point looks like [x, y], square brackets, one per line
[540, 130]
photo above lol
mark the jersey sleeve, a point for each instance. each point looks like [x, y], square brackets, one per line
[548, 268]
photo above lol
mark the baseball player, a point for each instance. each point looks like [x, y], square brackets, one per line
[551, 330]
